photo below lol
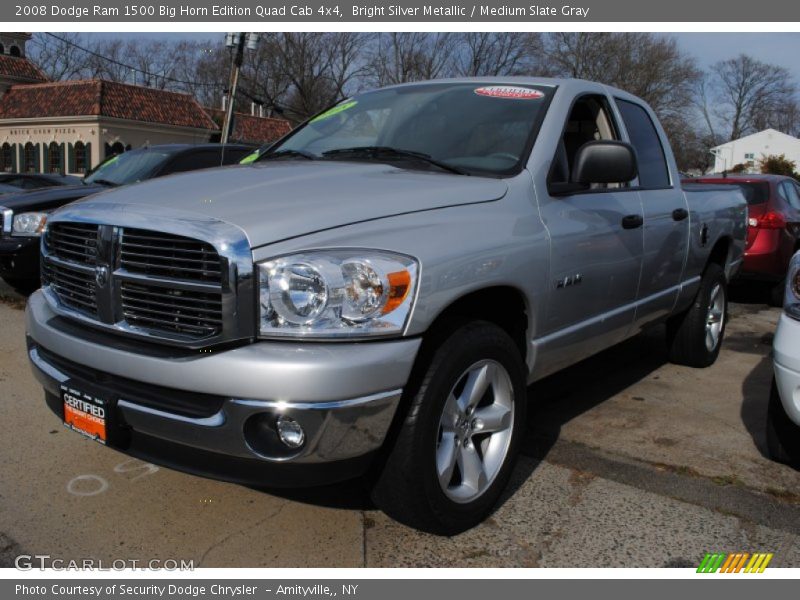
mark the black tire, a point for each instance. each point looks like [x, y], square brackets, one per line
[686, 333]
[23, 286]
[776, 293]
[783, 436]
[408, 488]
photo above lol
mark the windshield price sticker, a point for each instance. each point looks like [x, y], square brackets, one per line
[509, 92]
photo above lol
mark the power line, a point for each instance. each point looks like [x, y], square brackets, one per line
[129, 67]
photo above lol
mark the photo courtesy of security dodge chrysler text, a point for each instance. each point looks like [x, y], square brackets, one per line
[371, 295]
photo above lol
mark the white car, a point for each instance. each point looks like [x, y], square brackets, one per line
[783, 416]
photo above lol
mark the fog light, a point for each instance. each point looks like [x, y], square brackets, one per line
[290, 432]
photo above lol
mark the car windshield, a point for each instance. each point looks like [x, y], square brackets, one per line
[472, 128]
[128, 167]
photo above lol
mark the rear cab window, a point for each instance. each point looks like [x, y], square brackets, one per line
[650, 156]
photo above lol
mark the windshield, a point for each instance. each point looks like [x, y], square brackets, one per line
[128, 167]
[471, 127]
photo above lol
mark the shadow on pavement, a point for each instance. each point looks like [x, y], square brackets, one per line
[755, 391]
[553, 401]
[563, 396]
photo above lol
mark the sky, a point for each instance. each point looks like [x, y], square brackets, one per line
[782, 49]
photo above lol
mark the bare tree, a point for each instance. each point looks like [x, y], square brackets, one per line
[645, 64]
[497, 53]
[399, 57]
[747, 91]
[59, 58]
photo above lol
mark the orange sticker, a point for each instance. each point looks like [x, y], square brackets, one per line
[84, 416]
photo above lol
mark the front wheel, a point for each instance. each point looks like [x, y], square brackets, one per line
[695, 336]
[456, 448]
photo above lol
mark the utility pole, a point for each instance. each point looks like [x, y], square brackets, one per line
[238, 41]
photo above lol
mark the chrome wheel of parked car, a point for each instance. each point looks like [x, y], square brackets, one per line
[475, 431]
[715, 318]
[454, 451]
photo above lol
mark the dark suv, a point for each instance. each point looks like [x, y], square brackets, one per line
[23, 215]
[773, 226]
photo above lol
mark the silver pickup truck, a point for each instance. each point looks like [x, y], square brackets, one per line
[372, 294]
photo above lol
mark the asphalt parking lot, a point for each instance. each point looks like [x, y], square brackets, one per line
[629, 462]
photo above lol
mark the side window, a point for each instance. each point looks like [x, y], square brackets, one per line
[191, 161]
[589, 120]
[790, 194]
[650, 157]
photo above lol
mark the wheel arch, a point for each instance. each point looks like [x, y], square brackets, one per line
[503, 305]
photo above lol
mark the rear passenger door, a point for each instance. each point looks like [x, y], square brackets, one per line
[666, 216]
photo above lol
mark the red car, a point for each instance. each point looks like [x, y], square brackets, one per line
[773, 227]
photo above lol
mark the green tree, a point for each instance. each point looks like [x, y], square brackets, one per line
[777, 164]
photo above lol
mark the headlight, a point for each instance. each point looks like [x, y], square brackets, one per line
[31, 223]
[342, 293]
[791, 299]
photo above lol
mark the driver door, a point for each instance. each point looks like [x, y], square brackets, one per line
[596, 239]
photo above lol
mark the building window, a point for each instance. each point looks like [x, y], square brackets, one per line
[80, 157]
[117, 148]
[14, 51]
[31, 159]
[749, 156]
[7, 158]
[54, 158]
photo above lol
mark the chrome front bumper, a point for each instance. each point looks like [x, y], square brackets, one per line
[344, 395]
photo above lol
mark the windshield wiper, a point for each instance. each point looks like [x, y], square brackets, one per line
[388, 153]
[105, 182]
[288, 154]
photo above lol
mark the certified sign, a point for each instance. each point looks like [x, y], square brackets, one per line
[510, 92]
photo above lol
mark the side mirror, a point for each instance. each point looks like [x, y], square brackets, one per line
[604, 162]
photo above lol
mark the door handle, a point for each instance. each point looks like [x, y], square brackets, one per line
[632, 221]
[679, 214]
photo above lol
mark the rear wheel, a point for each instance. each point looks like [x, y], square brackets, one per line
[695, 336]
[455, 451]
[783, 436]
[776, 293]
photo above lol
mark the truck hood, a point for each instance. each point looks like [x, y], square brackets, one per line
[280, 200]
[46, 198]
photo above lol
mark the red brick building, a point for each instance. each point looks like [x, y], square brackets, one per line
[70, 126]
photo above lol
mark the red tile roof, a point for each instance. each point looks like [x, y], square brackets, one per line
[251, 129]
[97, 97]
[20, 68]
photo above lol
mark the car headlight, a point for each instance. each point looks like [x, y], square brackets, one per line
[791, 299]
[341, 293]
[30, 223]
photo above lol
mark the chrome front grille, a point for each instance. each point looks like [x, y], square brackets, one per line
[74, 287]
[165, 255]
[74, 242]
[144, 282]
[183, 312]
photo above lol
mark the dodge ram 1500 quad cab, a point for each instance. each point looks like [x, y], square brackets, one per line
[373, 293]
